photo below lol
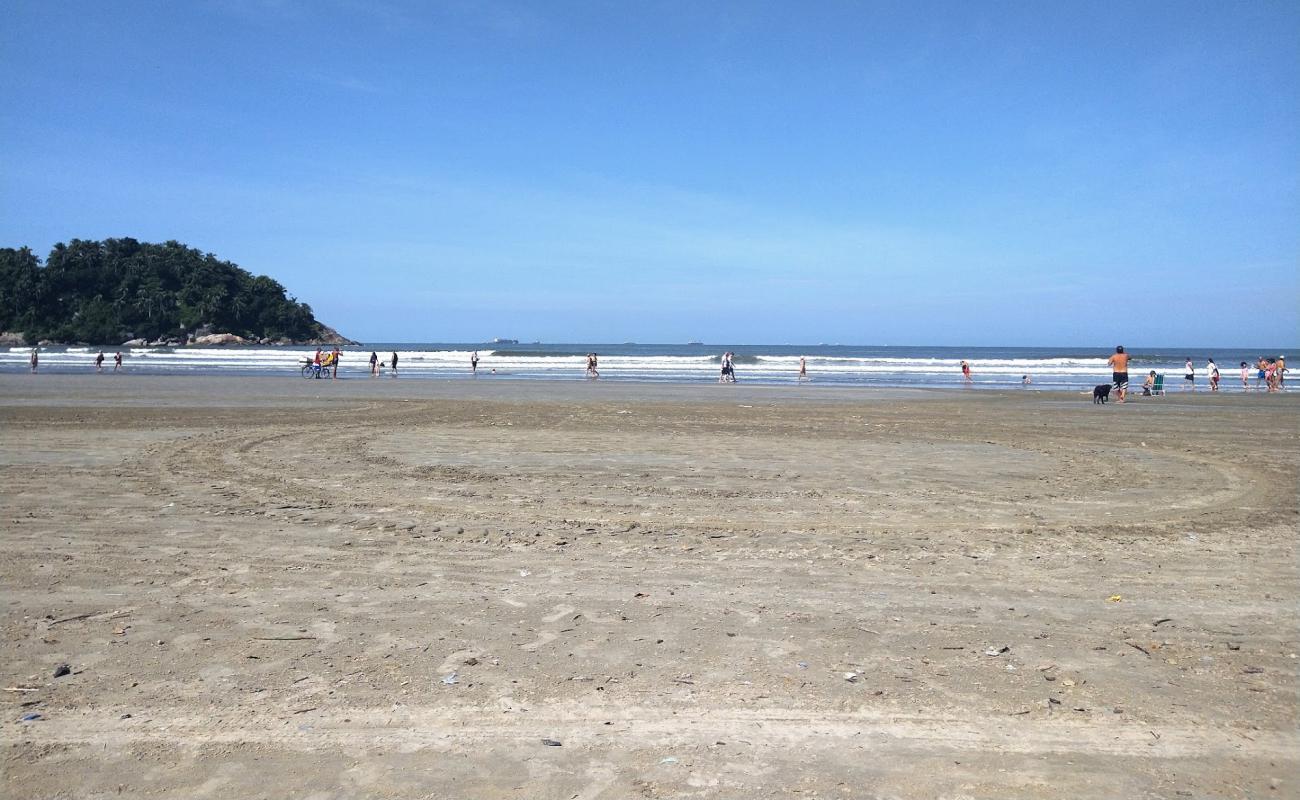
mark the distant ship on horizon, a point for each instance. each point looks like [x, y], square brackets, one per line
[505, 341]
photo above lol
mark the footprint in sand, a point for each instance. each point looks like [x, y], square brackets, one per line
[545, 637]
[560, 611]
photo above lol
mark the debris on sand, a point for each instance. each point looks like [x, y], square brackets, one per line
[61, 670]
[552, 743]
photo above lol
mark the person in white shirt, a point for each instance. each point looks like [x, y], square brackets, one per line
[1189, 375]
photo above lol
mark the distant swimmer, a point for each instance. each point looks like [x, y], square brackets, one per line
[473, 363]
[1119, 371]
[394, 367]
[374, 363]
[99, 362]
[117, 361]
[965, 371]
[803, 368]
[35, 360]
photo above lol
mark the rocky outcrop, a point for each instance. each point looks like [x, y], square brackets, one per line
[219, 338]
[135, 343]
[12, 339]
[330, 336]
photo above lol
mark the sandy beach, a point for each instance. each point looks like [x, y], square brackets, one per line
[425, 589]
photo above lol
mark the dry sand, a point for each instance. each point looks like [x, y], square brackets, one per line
[263, 586]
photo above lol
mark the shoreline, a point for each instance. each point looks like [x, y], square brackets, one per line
[67, 386]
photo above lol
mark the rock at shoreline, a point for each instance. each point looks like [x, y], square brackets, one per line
[220, 338]
[12, 339]
[330, 336]
[135, 343]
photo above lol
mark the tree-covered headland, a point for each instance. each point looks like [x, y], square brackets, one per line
[117, 290]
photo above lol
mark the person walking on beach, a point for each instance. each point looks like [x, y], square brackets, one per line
[35, 360]
[965, 371]
[334, 363]
[1281, 372]
[1213, 370]
[394, 367]
[1119, 371]
[99, 362]
[1271, 375]
[117, 361]
[1189, 374]
[473, 363]
[374, 363]
[1245, 376]
[803, 368]
[728, 368]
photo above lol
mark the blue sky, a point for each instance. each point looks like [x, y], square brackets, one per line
[875, 173]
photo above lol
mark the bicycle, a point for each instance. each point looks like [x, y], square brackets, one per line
[312, 370]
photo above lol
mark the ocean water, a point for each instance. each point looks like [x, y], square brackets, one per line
[838, 365]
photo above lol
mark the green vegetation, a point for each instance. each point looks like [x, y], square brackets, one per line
[118, 289]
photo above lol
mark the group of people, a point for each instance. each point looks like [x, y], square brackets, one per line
[1269, 371]
[326, 362]
[376, 366]
[99, 361]
[593, 361]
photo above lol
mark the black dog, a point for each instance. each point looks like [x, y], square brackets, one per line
[1101, 393]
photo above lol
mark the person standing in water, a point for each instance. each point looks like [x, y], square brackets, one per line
[1119, 371]
[117, 361]
[1189, 374]
[394, 366]
[965, 371]
[35, 360]
[1245, 376]
[334, 363]
[803, 368]
[99, 362]
[473, 363]
[374, 363]
[1213, 370]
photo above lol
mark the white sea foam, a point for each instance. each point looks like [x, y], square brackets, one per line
[433, 362]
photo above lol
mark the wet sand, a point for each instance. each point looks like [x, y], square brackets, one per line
[385, 588]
